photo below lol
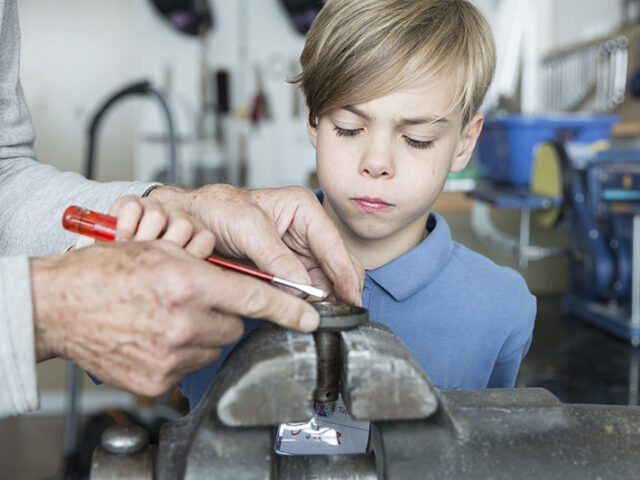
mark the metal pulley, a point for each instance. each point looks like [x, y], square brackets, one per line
[550, 177]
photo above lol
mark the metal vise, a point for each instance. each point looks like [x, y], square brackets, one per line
[417, 431]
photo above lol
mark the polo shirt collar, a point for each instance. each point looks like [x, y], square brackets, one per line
[406, 275]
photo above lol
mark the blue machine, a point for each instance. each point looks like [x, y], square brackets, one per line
[578, 182]
[601, 209]
[508, 143]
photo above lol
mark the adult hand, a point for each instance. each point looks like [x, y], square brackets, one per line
[284, 231]
[141, 315]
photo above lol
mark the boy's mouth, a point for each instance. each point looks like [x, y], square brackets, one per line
[369, 204]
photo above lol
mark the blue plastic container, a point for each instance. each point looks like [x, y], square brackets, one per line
[508, 143]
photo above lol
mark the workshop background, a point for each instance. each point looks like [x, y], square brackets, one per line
[237, 120]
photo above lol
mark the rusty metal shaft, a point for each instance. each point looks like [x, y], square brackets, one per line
[328, 350]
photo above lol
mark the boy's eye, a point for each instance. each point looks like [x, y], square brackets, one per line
[345, 132]
[418, 143]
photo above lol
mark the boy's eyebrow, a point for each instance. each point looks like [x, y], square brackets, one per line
[357, 111]
[424, 120]
[404, 121]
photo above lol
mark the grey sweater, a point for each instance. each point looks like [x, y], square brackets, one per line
[33, 197]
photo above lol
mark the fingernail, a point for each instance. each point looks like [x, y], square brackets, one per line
[309, 322]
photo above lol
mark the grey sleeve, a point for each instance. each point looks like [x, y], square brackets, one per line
[19, 392]
[32, 199]
[33, 196]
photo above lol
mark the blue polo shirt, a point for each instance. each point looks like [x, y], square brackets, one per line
[467, 320]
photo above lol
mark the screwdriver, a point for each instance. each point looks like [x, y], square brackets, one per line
[103, 227]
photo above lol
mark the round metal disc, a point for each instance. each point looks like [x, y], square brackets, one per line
[548, 179]
[339, 316]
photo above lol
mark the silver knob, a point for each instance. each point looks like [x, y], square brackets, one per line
[124, 439]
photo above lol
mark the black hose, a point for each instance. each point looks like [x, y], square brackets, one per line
[140, 88]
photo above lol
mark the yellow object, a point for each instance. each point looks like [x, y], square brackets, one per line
[547, 180]
[599, 146]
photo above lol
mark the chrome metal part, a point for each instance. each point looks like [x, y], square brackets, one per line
[308, 289]
[572, 75]
[525, 227]
[124, 439]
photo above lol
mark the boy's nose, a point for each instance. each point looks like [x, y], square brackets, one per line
[377, 162]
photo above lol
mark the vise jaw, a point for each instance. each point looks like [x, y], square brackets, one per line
[417, 431]
[272, 377]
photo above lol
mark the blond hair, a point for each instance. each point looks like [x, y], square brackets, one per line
[359, 50]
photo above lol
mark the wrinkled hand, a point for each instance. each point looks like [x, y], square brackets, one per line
[141, 315]
[148, 219]
[284, 231]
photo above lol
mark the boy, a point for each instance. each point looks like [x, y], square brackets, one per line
[392, 89]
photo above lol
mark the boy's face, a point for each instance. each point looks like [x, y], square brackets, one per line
[383, 163]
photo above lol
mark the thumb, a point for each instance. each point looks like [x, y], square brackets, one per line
[235, 293]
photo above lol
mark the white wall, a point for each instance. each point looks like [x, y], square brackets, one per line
[76, 52]
[577, 20]
[546, 25]
[73, 53]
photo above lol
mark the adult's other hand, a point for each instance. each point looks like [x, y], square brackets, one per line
[141, 315]
[284, 231]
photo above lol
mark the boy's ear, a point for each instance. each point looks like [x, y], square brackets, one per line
[312, 132]
[467, 143]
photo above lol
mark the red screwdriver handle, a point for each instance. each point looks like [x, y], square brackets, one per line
[103, 227]
[92, 224]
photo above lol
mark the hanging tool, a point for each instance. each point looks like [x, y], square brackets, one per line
[260, 105]
[103, 227]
